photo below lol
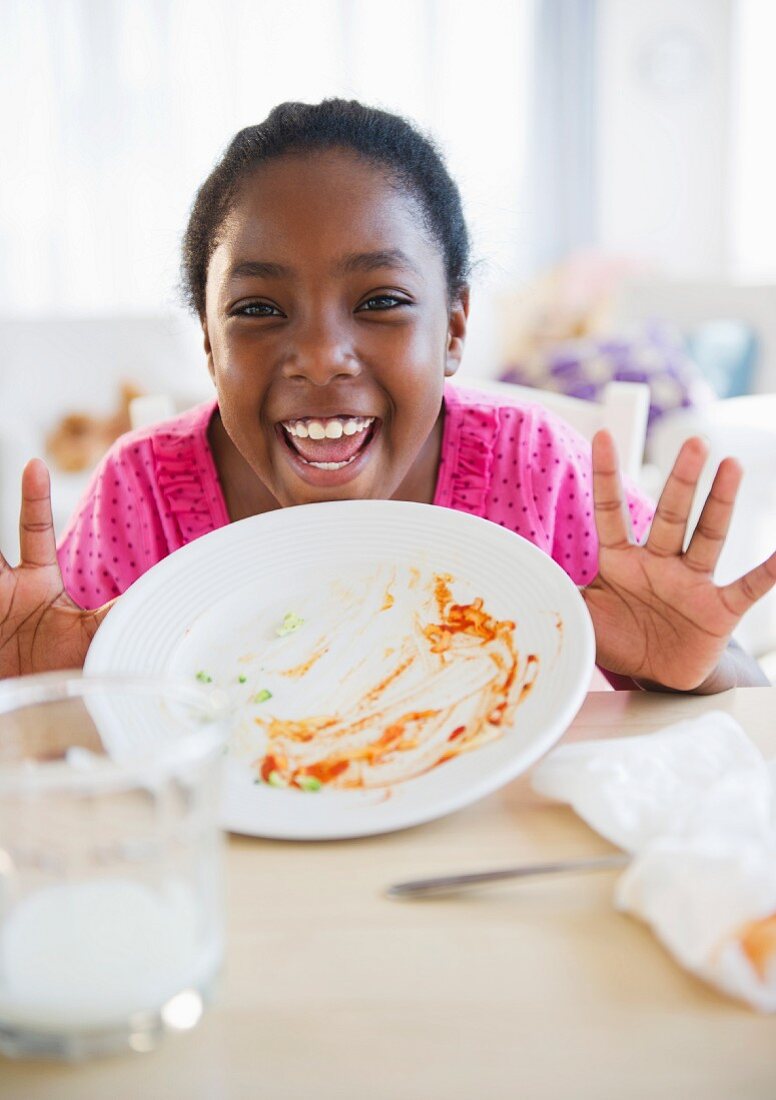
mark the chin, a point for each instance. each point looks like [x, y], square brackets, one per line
[357, 489]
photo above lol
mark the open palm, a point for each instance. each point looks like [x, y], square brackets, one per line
[657, 613]
[41, 628]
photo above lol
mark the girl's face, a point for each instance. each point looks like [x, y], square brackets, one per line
[328, 330]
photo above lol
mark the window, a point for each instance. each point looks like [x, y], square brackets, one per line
[114, 112]
[754, 151]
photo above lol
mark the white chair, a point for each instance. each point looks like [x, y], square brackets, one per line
[744, 427]
[150, 409]
[624, 411]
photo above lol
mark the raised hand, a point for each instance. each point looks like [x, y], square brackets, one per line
[41, 628]
[657, 613]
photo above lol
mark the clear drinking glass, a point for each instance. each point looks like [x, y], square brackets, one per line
[111, 922]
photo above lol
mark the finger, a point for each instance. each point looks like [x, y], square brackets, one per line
[611, 517]
[747, 590]
[712, 527]
[36, 524]
[669, 525]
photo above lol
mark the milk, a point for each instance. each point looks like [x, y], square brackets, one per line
[88, 955]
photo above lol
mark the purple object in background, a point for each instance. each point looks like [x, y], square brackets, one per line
[654, 354]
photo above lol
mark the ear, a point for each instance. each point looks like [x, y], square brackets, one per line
[456, 331]
[208, 350]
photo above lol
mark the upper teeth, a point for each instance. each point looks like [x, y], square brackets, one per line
[331, 428]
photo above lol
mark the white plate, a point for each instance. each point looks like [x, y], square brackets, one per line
[214, 607]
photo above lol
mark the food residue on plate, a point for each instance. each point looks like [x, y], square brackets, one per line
[408, 679]
[291, 622]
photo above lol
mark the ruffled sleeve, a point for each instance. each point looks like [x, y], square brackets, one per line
[518, 465]
[468, 445]
[155, 490]
[190, 498]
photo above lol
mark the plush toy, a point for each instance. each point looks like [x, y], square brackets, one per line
[80, 439]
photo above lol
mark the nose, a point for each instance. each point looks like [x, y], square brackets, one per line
[320, 352]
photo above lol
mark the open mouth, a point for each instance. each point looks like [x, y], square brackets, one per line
[330, 442]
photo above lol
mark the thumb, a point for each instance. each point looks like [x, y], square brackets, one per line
[37, 541]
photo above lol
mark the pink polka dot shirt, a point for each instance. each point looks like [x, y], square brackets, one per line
[514, 464]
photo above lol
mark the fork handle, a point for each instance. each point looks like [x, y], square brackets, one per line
[450, 884]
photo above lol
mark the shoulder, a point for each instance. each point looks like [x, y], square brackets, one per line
[483, 431]
[512, 424]
[465, 399]
[179, 432]
[138, 465]
[466, 402]
[144, 470]
[154, 490]
[149, 463]
[169, 469]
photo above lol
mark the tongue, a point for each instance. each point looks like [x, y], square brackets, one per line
[329, 450]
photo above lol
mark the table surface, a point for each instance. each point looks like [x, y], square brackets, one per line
[527, 990]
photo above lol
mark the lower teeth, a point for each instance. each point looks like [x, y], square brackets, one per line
[330, 465]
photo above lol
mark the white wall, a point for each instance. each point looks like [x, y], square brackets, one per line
[53, 365]
[664, 134]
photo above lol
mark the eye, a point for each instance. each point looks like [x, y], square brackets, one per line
[257, 309]
[382, 302]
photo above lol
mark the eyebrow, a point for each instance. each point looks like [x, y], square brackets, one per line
[347, 265]
[258, 269]
[370, 261]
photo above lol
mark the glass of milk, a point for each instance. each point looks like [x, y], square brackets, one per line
[111, 923]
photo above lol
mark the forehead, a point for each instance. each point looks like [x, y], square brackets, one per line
[319, 205]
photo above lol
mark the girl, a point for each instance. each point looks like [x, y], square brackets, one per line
[326, 257]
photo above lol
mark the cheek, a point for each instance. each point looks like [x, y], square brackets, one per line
[229, 377]
[429, 339]
[423, 356]
[237, 375]
[423, 372]
[240, 402]
[234, 398]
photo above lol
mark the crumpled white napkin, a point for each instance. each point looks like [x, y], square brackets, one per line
[696, 804]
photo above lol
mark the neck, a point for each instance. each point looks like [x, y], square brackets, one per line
[244, 493]
[420, 483]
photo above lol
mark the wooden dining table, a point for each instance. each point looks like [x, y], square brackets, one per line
[536, 989]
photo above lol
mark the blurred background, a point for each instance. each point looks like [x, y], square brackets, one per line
[616, 160]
